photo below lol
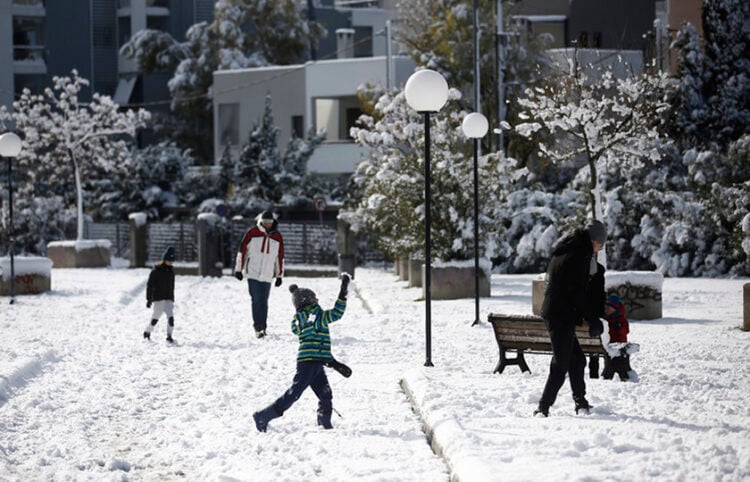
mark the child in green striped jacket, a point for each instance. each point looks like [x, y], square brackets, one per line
[310, 324]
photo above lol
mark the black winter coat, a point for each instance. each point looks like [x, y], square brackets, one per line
[160, 283]
[567, 301]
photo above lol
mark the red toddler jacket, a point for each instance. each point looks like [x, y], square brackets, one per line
[618, 324]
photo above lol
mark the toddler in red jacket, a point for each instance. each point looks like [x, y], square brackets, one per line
[618, 348]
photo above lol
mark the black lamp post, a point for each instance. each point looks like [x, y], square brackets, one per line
[427, 92]
[10, 147]
[475, 126]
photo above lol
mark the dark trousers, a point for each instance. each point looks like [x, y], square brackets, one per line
[309, 374]
[620, 365]
[567, 358]
[259, 293]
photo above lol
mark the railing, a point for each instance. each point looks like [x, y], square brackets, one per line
[29, 52]
[29, 3]
[305, 242]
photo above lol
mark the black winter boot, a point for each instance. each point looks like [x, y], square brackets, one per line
[324, 419]
[541, 410]
[582, 405]
[264, 416]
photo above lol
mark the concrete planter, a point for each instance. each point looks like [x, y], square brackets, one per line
[32, 275]
[746, 307]
[455, 280]
[403, 268]
[85, 253]
[640, 292]
[415, 272]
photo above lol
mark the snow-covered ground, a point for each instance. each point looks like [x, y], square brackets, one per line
[83, 397]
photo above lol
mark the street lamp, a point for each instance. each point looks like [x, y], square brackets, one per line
[475, 126]
[427, 92]
[10, 147]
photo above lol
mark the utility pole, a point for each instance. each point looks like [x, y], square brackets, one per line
[388, 57]
[500, 38]
[477, 100]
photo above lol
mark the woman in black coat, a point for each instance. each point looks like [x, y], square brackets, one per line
[567, 303]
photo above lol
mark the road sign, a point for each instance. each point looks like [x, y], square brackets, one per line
[320, 204]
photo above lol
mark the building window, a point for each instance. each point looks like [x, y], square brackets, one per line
[123, 30]
[597, 40]
[363, 41]
[583, 40]
[298, 127]
[229, 115]
[352, 114]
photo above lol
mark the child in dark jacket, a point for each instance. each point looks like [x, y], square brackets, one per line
[618, 348]
[310, 324]
[160, 294]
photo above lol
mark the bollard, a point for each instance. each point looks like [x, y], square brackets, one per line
[209, 245]
[138, 250]
[746, 303]
[346, 242]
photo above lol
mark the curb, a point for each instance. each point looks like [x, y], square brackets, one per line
[447, 438]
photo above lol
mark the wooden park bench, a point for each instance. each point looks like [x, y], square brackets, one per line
[528, 334]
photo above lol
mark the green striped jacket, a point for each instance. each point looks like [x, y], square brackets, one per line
[310, 324]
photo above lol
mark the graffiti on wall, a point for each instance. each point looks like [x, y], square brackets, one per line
[637, 298]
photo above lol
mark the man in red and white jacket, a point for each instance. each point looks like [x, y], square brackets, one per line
[260, 259]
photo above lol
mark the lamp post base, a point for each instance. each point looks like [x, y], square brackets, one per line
[428, 363]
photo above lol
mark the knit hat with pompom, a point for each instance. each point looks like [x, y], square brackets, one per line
[302, 297]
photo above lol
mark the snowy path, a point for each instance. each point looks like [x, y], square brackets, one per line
[83, 397]
[114, 405]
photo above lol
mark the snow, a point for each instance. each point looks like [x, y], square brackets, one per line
[23, 265]
[82, 244]
[83, 397]
[139, 219]
[210, 218]
[650, 279]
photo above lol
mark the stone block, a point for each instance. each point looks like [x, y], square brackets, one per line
[537, 295]
[640, 292]
[403, 268]
[86, 253]
[32, 275]
[415, 272]
[746, 304]
[455, 282]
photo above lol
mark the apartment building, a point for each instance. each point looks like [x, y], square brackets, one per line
[40, 39]
[319, 94]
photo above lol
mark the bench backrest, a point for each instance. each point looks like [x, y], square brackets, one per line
[528, 332]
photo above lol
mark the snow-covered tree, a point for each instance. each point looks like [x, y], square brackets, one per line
[440, 36]
[244, 33]
[389, 183]
[65, 139]
[155, 178]
[591, 122]
[263, 175]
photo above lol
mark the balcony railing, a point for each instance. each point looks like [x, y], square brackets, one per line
[149, 3]
[29, 3]
[29, 52]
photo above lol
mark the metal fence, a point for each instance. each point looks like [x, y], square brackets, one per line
[117, 233]
[181, 236]
[305, 242]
